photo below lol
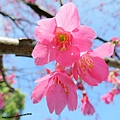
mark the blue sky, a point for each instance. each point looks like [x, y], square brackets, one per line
[40, 111]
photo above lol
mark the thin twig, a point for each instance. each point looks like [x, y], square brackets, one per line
[14, 21]
[61, 4]
[3, 75]
[17, 116]
[101, 39]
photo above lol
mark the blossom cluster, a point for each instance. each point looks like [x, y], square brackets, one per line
[64, 40]
[112, 78]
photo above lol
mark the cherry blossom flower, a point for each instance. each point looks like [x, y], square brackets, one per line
[59, 90]
[107, 98]
[62, 36]
[10, 79]
[91, 67]
[87, 107]
[1, 101]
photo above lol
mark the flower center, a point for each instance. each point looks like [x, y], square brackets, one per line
[62, 39]
[86, 63]
[65, 88]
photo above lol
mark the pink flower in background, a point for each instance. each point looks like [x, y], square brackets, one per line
[1, 101]
[59, 90]
[112, 77]
[107, 98]
[32, 1]
[87, 107]
[91, 67]
[62, 36]
[9, 78]
[116, 41]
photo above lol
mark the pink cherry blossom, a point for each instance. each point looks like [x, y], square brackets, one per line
[87, 107]
[59, 90]
[10, 79]
[32, 1]
[62, 36]
[1, 101]
[91, 67]
[112, 77]
[107, 98]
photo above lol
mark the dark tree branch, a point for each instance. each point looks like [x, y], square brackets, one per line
[40, 11]
[24, 47]
[16, 19]
[116, 54]
[112, 62]
[20, 47]
[101, 39]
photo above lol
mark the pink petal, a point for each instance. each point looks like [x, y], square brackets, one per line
[64, 78]
[100, 69]
[68, 57]
[89, 79]
[67, 17]
[97, 74]
[45, 29]
[84, 33]
[72, 99]
[83, 38]
[40, 91]
[104, 50]
[75, 71]
[47, 77]
[56, 99]
[43, 54]
[82, 45]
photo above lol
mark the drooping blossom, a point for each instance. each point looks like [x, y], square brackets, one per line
[59, 90]
[32, 1]
[113, 77]
[87, 107]
[80, 86]
[62, 38]
[91, 67]
[1, 101]
[117, 90]
[107, 98]
[116, 41]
